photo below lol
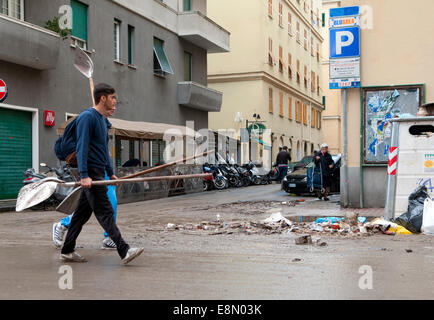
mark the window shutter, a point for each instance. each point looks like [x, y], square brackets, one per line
[79, 20]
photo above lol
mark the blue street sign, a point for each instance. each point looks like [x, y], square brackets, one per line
[344, 42]
[344, 11]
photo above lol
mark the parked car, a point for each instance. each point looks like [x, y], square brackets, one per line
[296, 181]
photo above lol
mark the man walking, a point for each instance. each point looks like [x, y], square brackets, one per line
[282, 159]
[93, 161]
[324, 160]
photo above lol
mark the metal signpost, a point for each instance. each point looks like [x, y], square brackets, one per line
[344, 27]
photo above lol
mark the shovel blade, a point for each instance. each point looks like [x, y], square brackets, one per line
[69, 204]
[83, 63]
[35, 193]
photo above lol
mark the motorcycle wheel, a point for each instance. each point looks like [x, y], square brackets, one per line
[234, 181]
[220, 184]
[257, 181]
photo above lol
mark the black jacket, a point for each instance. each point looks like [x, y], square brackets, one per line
[325, 161]
[283, 157]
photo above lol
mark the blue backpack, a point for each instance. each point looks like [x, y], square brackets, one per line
[65, 146]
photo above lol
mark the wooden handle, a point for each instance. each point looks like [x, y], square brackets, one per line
[147, 179]
[92, 88]
[166, 165]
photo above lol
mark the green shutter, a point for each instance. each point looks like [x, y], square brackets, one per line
[15, 150]
[187, 66]
[187, 5]
[323, 20]
[79, 20]
[160, 55]
[130, 45]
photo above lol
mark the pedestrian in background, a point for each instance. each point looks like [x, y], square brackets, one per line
[324, 160]
[282, 159]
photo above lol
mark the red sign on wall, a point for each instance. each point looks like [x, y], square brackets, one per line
[49, 118]
[3, 90]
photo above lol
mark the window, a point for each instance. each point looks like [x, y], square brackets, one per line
[290, 108]
[188, 66]
[270, 8]
[313, 81]
[79, 24]
[161, 62]
[131, 45]
[12, 8]
[318, 119]
[312, 47]
[281, 64]
[305, 114]
[270, 100]
[298, 71]
[290, 65]
[305, 76]
[317, 52]
[317, 85]
[298, 32]
[298, 111]
[117, 40]
[305, 40]
[281, 104]
[313, 117]
[187, 5]
[270, 52]
[289, 24]
[281, 15]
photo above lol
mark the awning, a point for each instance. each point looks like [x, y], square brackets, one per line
[139, 129]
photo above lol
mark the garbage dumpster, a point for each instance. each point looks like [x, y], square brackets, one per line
[411, 161]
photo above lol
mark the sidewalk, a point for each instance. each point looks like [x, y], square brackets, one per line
[7, 205]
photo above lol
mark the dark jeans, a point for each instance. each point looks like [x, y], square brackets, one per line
[94, 199]
[283, 170]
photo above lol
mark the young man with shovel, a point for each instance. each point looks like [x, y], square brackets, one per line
[93, 161]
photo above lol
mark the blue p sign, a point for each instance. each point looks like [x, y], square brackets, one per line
[345, 42]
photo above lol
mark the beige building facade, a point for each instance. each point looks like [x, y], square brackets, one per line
[396, 76]
[273, 70]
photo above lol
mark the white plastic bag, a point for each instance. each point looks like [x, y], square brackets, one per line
[428, 217]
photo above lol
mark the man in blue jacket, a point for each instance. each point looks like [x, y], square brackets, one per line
[93, 162]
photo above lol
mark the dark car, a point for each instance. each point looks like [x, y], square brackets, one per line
[300, 164]
[296, 181]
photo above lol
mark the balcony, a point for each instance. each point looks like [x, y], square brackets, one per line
[203, 32]
[199, 97]
[28, 45]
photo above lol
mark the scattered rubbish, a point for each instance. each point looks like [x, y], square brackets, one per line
[171, 226]
[428, 217]
[412, 219]
[329, 219]
[362, 219]
[351, 218]
[304, 239]
[316, 227]
[296, 260]
[218, 217]
[408, 250]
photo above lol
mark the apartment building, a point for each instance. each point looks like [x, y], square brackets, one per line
[153, 52]
[272, 76]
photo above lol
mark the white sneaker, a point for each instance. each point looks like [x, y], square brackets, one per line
[58, 234]
[132, 254]
[108, 244]
[72, 257]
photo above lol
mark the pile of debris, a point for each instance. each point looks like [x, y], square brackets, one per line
[349, 226]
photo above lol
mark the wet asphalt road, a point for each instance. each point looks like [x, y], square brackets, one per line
[176, 265]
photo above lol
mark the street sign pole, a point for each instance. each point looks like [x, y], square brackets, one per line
[345, 150]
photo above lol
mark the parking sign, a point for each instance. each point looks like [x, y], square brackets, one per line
[344, 47]
[345, 42]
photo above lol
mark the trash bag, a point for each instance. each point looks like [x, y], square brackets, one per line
[428, 217]
[412, 219]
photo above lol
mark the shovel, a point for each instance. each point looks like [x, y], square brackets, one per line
[84, 64]
[69, 204]
[34, 193]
